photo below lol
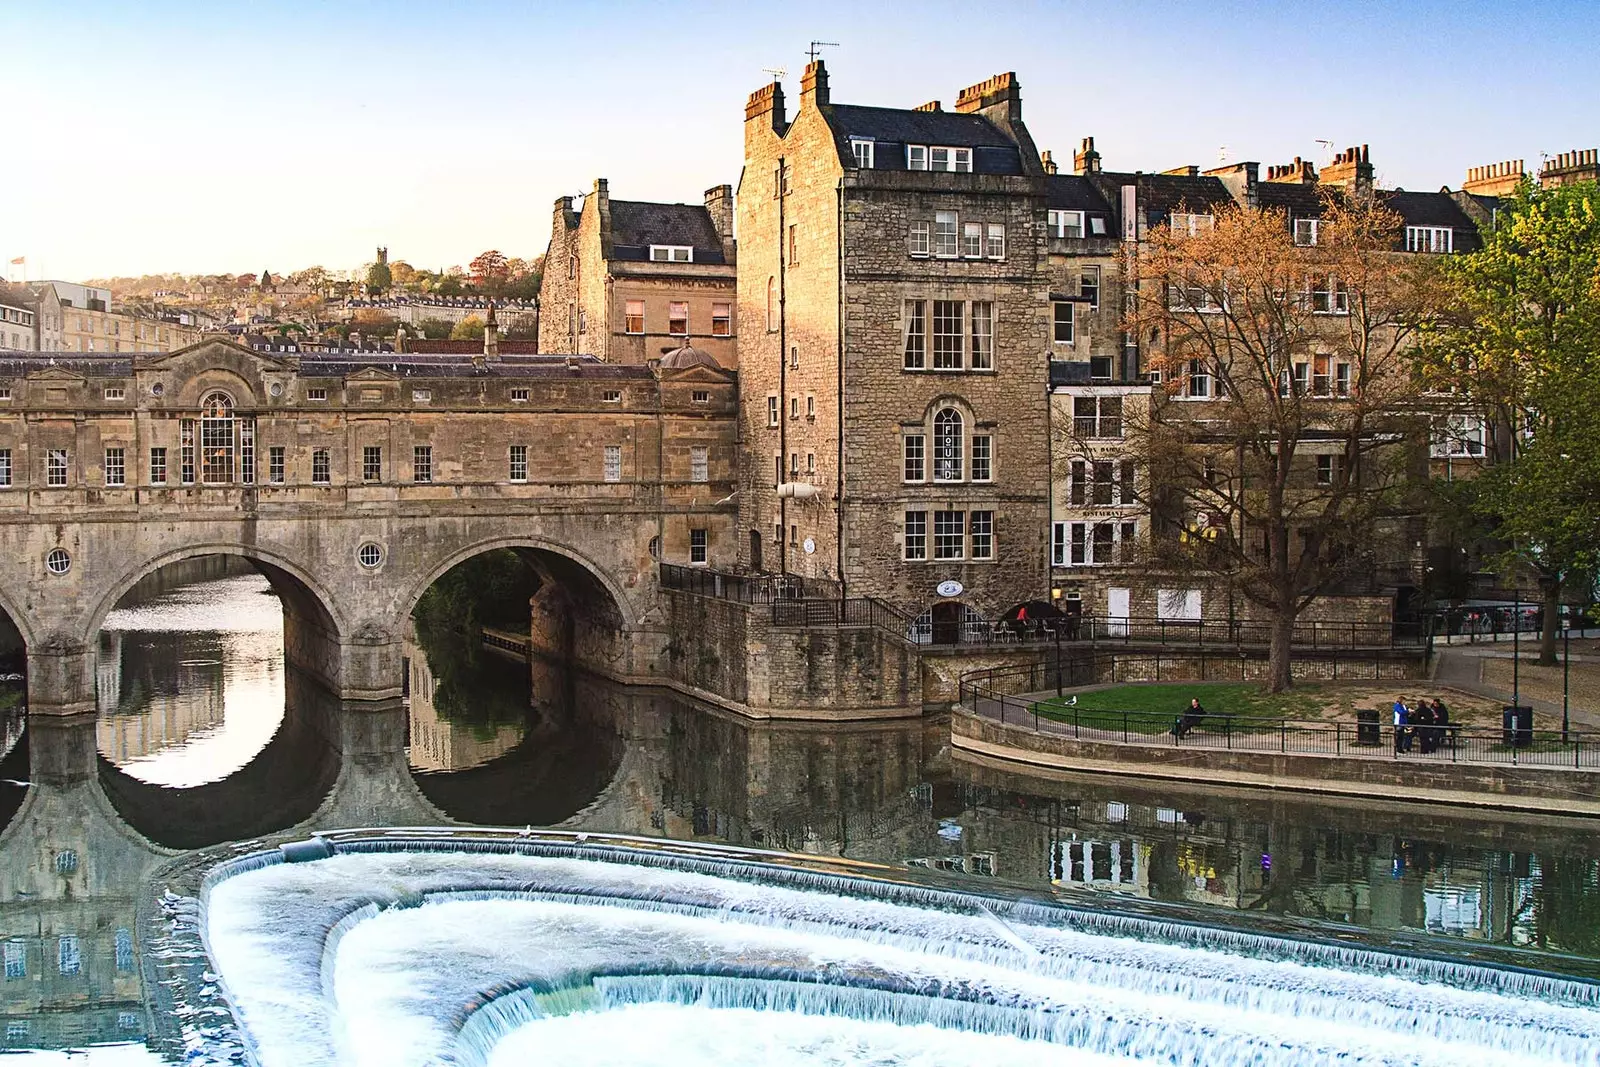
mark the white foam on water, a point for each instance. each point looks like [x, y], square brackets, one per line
[734, 1037]
[396, 987]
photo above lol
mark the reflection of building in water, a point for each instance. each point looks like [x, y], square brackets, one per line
[437, 744]
[1120, 865]
[13, 720]
[159, 689]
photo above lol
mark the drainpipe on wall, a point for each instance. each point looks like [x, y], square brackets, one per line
[783, 374]
[838, 403]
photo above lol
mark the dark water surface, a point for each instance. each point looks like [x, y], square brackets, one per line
[204, 738]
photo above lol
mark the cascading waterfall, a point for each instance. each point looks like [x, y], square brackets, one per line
[389, 955]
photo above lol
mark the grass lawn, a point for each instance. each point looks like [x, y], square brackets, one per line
[1152, 708]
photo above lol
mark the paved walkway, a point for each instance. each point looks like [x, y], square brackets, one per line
[1464, 668]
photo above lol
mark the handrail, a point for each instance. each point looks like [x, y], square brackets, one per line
[1513, 744]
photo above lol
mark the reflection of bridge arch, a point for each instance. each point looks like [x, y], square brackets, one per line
[281, 786]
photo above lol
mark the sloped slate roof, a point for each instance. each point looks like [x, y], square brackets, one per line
[1074, 192]
[1299, 200]
[1164, 193]
[1426, 209]
[637, 224]
[993, 151]
[19, 364]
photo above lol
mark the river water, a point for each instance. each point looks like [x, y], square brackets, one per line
[203, 738]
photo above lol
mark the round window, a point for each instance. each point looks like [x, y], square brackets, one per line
[370, 555]
[276, 389]
[58, 561]
[157, 389]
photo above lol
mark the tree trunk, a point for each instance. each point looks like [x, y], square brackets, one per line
[1551, 587]
[1279, 677]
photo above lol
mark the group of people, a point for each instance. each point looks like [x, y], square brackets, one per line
[1424, 725]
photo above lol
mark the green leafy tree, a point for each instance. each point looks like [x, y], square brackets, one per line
[1521, 343]
[468, 329]
[435, 329]
[379, 279]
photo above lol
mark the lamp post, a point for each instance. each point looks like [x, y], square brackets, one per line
[1055, 595]
[1566, 658]
[1516, 648]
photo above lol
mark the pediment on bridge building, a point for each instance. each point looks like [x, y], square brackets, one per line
[709, 375]
[217, 351]
[55, 374]
[372, 374]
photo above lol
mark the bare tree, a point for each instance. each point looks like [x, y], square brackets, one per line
[1284, 445]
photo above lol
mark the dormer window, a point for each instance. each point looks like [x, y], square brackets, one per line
[1190, 224]
[671, 254]
[1305, 231]
[938, 157]
[1440, 239]
[862, 150]
[1066, 223]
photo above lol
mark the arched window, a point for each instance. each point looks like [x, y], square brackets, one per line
[216, 439]
[947, 446]
[772, 304]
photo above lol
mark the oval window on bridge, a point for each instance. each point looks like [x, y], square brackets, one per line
[370, 555]
[58, 561]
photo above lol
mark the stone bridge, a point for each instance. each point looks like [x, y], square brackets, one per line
[353, 483]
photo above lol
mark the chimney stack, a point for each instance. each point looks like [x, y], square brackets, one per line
[1002, 92]
[719, 205]
[1494, 179]
[1351, 170]
[1048, 163]
[814, 84]
[1300, 172]
[1086, 160]
[1571, 167]
[767, 101]
[931, 105]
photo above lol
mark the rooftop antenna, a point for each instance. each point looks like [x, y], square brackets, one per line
[1222, 154]
[817, 46]
[778, 73]
[1327, 150]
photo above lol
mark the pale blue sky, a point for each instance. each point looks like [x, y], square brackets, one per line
[196, 136]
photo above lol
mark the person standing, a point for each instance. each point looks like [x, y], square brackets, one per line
[1421, 721]
[1402, 736]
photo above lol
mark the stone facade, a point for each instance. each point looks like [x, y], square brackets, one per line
[616, 285]
[353, 486]
[839, 264]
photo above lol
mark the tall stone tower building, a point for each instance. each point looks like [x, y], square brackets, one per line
[894, 316]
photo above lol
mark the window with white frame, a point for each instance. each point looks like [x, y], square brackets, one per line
[1305, 231]
[1065, 223]
[1191, 296]
[1191, 224]
[916, 157]
[1097, 225]
[421, 463]
[697, 546]
[949, 445]
[994, 241]
[519, 396]
[116, 468]
[981, 314]
[1092, 544]
[613, 463]
[1330, 469]
[633, 317]
[916, 329]
[947, 348]
[678, 318]
[1439, 239]
[115, 392]
[917, 239]
[518, 463]
[862, 150]
[945, 234]
[914, 447]
[5, 468]
[55, 467]
[1329, 296]
[1089, 286]
[1459, 435]
[699, 464]
[1097, 416]
[938, 157]
[372, 463]
[914, 541]
[158, 466]
[772, 305]
[972, 240]
[1065, 322]
[671, 254]
[980, 531]
[982, 457]
[949, 535]
[1197, 384]
[772, 411]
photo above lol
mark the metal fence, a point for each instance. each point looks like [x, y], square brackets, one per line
[1019, 696]
[746, 588]
[1203, 632]
[854, 611]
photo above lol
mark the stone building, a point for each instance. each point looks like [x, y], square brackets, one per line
[626, 280]
[16, 325]
[893, 303]
[79, 318]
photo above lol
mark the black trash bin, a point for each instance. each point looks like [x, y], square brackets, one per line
[1517, 719]
[1367, 730]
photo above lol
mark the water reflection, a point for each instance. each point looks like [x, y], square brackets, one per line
[191, 681]
[489, 739]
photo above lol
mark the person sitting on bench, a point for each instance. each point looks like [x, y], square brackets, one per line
[1191, 717]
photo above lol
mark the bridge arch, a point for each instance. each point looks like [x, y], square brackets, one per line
[549, 550]
[314, 623]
